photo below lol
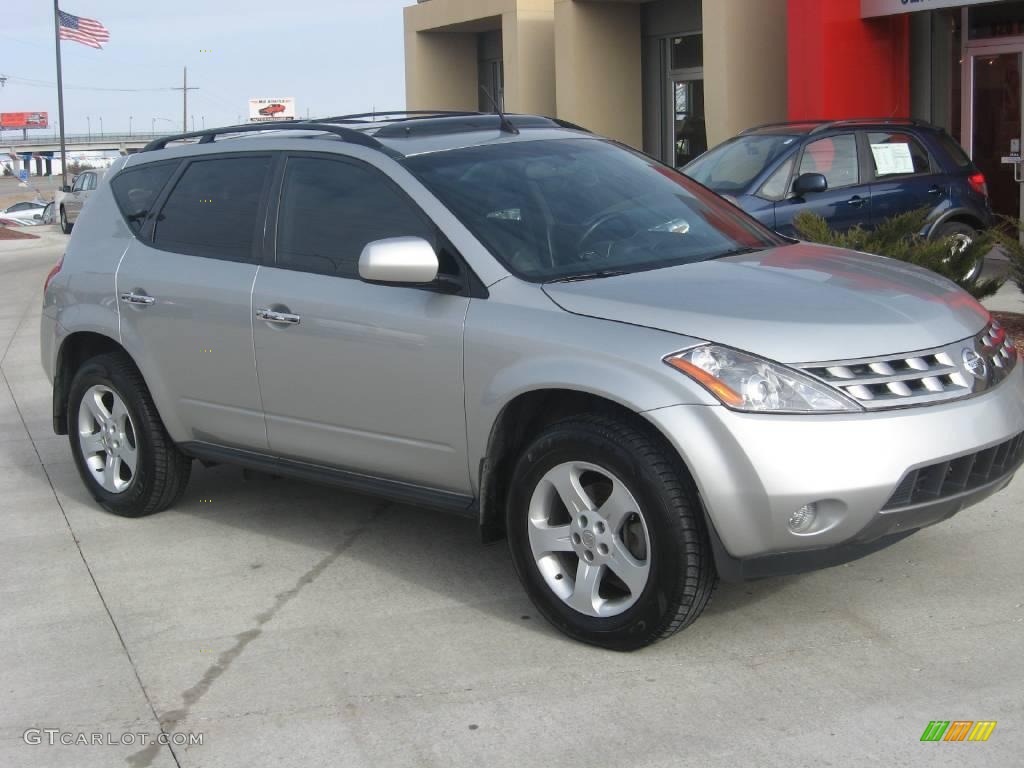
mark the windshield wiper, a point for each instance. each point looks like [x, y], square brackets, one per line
[595, 275]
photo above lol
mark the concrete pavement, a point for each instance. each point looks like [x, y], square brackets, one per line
[293, 625]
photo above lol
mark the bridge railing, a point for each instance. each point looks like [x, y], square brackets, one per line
[87, 138]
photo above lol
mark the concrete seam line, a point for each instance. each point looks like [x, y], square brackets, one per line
[85, 562]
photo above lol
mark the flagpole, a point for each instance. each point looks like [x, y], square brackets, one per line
[60, 97]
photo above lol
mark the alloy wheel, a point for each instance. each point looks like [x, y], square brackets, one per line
[108, 439]
[589, 539]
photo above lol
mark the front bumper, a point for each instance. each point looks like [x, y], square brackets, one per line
[753, 471]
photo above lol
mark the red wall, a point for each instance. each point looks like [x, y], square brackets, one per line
[843, 66]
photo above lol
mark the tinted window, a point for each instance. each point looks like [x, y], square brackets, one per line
[213, 208]
[953, 150]
[835, 158]
[77, 185]
[136, 189]
[90, 182]
[330, 210]
[732, 166]
[897, 154]
[572, 207]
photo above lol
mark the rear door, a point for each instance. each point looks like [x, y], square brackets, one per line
[184, 290]
[904, 176]
[364, 377]
[847, 201]
[74, 200]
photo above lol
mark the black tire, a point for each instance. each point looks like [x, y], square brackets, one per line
[65, 225]
[960, 229]
[682, 573]
[162, 470]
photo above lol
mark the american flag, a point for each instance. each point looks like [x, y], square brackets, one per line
[85, 31]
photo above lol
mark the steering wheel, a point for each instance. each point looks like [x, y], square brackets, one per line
[599, 221]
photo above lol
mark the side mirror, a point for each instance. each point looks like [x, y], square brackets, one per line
[37, 216]
[809, 184]
[66, 188]
[399, 260]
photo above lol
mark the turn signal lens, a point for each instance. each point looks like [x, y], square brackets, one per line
[748, 383]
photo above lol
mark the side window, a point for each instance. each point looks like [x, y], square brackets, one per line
[78, 183]
[213, 208]
[835, 158]
[331, 209]
[90, 182]
[898, 154]
[136, 189]
[777, 185]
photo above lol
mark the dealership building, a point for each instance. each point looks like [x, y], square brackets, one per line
[674, 77]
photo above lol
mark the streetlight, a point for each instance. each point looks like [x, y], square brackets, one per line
[193, 123]
[203, 118]
[88, 123]
[101, 125]
[129, 125]
[152, 126]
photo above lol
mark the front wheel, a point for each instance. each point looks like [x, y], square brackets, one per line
[124, 455]
[607, 534]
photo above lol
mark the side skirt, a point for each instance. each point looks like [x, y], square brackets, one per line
[395, 490]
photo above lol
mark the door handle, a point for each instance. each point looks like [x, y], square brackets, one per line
[857, 201]
[273, 316]
[138, 299]
[936, 190]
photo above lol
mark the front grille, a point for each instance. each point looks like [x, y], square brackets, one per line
[948, 478]
[919, 378]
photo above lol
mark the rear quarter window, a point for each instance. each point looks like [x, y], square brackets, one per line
[137, 189]
[953, 150]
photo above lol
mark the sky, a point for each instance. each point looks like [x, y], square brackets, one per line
[332, 56]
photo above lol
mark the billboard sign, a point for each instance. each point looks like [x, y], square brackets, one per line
[271, 110]
[24, 120]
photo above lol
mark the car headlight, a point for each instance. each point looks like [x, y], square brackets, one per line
[748, 383]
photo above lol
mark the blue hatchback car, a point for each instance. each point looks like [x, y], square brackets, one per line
[850, 172]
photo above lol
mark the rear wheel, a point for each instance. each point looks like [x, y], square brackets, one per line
[65, 225]
[607, 534]
[124, 455]
[960, 237]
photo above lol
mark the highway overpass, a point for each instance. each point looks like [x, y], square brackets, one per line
[43, 150]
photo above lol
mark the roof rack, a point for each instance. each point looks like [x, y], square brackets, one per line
[824, 125]
[393, 116]
[208, 136]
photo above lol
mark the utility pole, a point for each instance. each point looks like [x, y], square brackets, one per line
[185, 88]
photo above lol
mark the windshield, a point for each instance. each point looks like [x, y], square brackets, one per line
[732, 166]
[583, 207]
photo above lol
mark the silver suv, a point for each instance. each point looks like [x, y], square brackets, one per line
[584, 351]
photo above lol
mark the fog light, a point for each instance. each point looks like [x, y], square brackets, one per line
[803, 519]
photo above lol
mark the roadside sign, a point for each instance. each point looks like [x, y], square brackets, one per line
[271, 110]
[23, 175]
[24, 120]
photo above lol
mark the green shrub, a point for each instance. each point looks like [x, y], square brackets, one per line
[899, 238]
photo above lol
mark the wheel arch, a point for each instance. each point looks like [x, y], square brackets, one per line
[75, 350]
[518, 421]
[957, 215]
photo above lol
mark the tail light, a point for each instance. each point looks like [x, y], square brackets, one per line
[52, 274]
[977, 182]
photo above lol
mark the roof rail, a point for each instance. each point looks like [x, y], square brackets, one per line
[779, 125]
[872, 121]
[208, 136]
[393, 116]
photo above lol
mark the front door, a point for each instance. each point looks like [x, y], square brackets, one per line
[993, 121]
[847, 201]
[366, 378]
[184, 292]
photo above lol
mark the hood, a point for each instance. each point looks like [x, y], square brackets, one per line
[798, 303]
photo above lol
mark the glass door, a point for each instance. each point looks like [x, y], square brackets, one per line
[993, 121]
[689, 132]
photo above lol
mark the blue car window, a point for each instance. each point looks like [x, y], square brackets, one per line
[898, 154]
[835, 158]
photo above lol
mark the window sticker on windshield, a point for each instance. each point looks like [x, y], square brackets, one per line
[892, 159]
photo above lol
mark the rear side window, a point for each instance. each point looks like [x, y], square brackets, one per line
[835, 158]
[898, 154]
[136, 190]
[953, 150]
[213, 209]
[331, 209]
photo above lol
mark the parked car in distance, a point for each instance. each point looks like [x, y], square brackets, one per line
[26, 206]
[639, 385]
[73, 198]
[850, 172]
[23, 214]
[272, 109]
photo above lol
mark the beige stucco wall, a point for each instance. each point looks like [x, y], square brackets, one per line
[598, 67]
[441, 55]
[744, 65]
